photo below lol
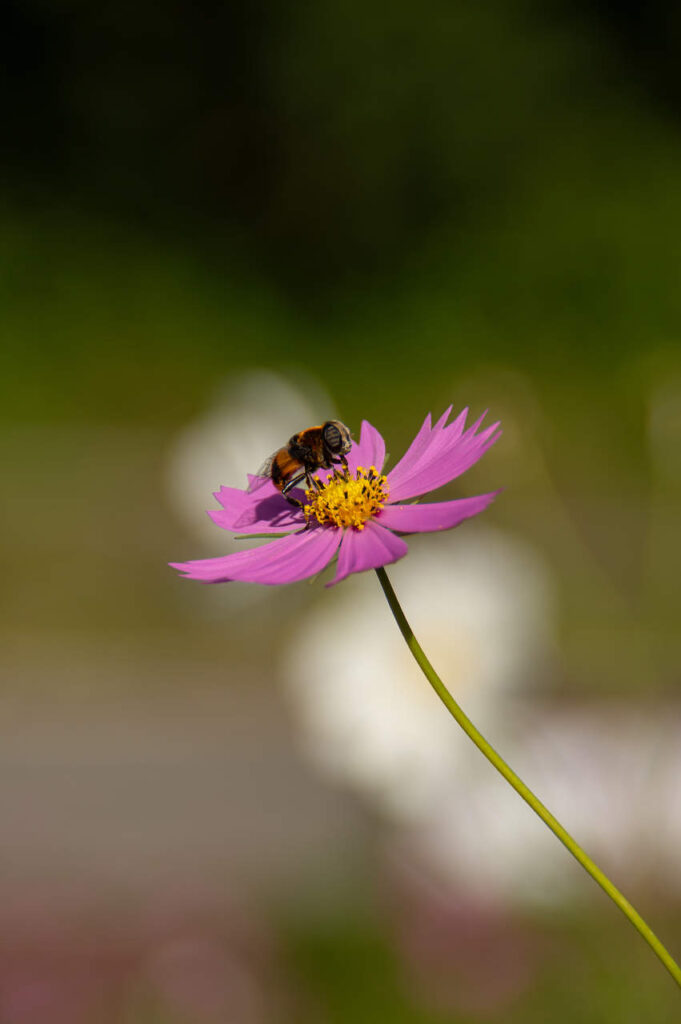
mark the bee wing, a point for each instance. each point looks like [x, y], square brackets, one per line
[263, 475]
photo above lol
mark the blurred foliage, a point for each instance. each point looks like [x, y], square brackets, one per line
[325, 143]
[388, 200]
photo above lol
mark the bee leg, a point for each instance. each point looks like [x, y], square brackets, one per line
[289, 485]
[341, 460]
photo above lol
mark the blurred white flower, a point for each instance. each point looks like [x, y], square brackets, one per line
[480, 603]
[605, 775]
[253, 414]
[664, 801]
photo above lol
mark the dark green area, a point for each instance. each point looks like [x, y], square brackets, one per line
[390, 200]
[586, 968]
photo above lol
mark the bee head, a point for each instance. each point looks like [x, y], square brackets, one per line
[336, 437]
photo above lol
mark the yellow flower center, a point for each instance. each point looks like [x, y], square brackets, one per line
[345, 500]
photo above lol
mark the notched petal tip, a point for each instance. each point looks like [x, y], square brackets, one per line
[436, 457]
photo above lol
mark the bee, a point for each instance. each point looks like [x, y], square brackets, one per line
[315, 448]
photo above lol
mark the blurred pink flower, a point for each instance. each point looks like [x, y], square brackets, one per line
[67, 956]
[211, 964]
[363, 528]
[59, 963]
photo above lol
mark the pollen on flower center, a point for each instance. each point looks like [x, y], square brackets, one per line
[345, 500]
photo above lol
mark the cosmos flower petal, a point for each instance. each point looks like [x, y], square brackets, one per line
[367, 549]
[286, 560]
[443, 419]
[434, 476]
[368, 451]
[426, 441]
[427, 446]
[260, 511]
[438, 515]
[415, 449]
[447, 453]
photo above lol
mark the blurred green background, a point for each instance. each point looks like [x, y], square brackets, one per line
[405, 206]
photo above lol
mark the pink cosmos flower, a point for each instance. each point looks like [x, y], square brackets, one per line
[358, 515]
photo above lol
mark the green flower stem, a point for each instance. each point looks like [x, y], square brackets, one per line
[528, 796]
